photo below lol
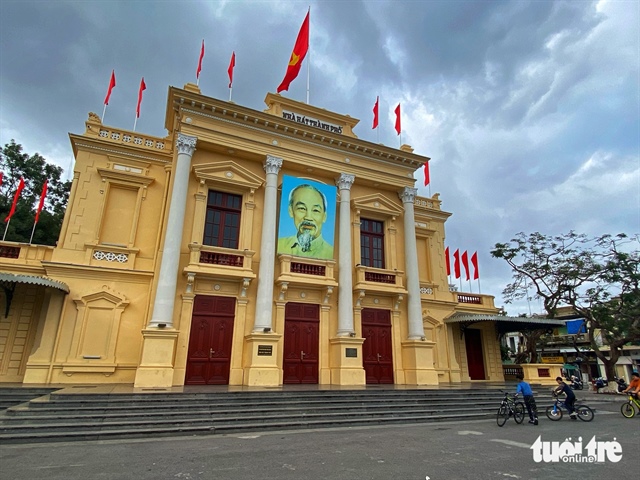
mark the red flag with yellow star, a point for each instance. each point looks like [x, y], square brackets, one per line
[300, 50]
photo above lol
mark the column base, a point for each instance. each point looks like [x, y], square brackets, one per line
[417, 357]
[261, 360]
[36, 374]
[156, 365]
[346, 361]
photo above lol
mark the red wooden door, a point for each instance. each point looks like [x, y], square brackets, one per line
[209, 356]
[300, 359]
[377, 355]
[475, 358]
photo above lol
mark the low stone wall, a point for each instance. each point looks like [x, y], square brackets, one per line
[541, 373]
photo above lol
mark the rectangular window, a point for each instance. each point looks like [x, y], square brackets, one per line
[372, 243]
[222, 222]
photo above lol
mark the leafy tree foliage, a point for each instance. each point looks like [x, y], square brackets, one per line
[599, 277]
[35, 169]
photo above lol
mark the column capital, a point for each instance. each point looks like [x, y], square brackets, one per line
[272, 164]
[345, 180]
[408, 195]
[186, 144]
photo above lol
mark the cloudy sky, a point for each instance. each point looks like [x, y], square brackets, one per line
[529, 110]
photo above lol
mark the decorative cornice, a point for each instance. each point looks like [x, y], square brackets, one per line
[121, 153]
[345, 181]
[369, 152]
[186, 144]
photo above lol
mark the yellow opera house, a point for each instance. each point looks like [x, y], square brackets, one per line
[247, 247]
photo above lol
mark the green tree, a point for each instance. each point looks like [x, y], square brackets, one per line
[35, 169]
[598, 277]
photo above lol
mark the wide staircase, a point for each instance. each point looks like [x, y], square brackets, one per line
[58, 416]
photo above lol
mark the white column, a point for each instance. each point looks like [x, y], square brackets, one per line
[168, 277]
[416, 328]
[345, 262]
[264, 300]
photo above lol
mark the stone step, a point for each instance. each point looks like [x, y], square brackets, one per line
[37, 406]
[14, 396]
[181, 430]
[59, 416]
[79, 400]
[44, 416]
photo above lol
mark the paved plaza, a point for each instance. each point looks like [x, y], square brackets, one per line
[453, 450]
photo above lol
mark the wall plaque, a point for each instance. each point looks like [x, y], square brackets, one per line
[351, 352]
[265, 350]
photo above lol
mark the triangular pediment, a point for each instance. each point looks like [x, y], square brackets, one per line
[228, 172]
[104, 299]
[377, 203]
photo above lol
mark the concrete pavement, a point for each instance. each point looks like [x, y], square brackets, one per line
[454, 450]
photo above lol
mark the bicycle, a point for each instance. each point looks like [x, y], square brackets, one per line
[509, 407]
[554, 412]
[628, 409]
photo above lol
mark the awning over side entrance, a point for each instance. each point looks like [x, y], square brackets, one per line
[504, 324]
[8, 282]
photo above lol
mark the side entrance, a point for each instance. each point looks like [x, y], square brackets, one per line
[301, 327]
[209, 357]
[475, 357]
[377, 349]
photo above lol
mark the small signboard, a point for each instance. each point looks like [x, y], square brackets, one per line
[265, 350]
[351, 352]
[550, 359]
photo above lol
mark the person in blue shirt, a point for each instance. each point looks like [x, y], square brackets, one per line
[571, 397]
[527, 394]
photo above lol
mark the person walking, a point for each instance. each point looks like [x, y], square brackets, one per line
[527, 394]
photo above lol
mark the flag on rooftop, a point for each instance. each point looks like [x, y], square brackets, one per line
[143, 86]
[112, 83]
[300, 50]
[375, 113]
[200, 61]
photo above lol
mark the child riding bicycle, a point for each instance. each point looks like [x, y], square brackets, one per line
[571, 397]
[634, 385]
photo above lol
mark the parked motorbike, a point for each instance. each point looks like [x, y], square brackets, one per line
[599, 383]
[576, 383]
[622, 384]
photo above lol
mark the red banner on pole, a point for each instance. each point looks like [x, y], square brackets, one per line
[375, 113]
[456, 263]
[446, 259]
[42, 195]
[474, 261]
[15, 200]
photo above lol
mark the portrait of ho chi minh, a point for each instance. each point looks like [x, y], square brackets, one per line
[311, 207]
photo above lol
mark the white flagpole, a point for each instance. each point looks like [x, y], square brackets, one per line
[104, 110]
[32, 232]
[5, 229]
[135, 122]
[309, 57]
